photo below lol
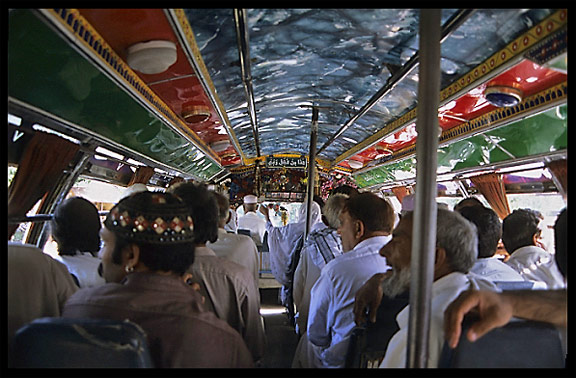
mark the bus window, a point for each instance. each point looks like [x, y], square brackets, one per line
[22, 231]
[548, 204]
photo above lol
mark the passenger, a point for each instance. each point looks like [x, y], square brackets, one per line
[520, 234]
[469, 201]
[350, 191]
[38, 286]
[75, 227]
[321, 247]
[148, 246]
[228, 287]
[366, 224]
[497, 309]
[252, 221]
[489, 230]
[282, 240]
[234, 247]
[456, 251]
[231, 221]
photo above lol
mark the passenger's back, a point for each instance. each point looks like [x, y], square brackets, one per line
[38, 286]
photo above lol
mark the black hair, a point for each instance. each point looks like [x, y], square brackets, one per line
[345, 189]
[519, 228]
[561, 242]
[204, 208]
[376, 213]
[467, 202]
[488, 226]
[75, 226]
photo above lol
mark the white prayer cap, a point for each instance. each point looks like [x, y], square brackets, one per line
[135, 188]
[250, 199]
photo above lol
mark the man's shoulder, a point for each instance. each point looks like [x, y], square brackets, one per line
[527, 253]
[221, 266]
[238, 240]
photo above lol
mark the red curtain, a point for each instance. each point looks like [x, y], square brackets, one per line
[400, 192]
[559, 169]
[45, 158]
[142, 175]
[492, 188]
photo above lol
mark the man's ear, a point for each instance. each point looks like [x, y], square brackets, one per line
[131, 255]
[440, 262]
[360, 229]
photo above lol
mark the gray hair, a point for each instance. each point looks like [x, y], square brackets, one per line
[459, 238]
[333, 207]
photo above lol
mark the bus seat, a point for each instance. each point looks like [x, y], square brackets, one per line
[368, 343]
[514, 285]
[80, 343]
[243, 231]
[519, 344]
[360, 354]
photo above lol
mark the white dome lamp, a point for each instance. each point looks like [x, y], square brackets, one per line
[355, 164]
[152, 57]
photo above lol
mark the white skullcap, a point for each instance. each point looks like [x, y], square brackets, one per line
[132, 189]
[250, 199]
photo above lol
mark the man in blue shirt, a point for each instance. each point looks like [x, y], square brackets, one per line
[366, 224]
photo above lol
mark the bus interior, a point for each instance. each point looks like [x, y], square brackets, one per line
[280, 103]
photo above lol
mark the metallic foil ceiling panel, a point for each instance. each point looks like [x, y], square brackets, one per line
[303, 57]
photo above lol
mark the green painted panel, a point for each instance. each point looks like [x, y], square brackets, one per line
[44, 71]
[539, 134]
[545, 132]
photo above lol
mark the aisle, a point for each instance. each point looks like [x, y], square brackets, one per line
[282, 339]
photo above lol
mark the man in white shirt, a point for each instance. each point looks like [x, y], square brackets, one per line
[520, 235]
[251, 220]
[75, 227]
[456, 251]
[234, 247]
[366, 224]
[489, 230]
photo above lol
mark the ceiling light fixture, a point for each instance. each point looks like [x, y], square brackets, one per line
[152, 57]
[196, 113]
[355, 164]
[503, 96]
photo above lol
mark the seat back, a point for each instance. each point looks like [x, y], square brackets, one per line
[243, 231]
[368, 343]
[519, 344]
[360, 354]
[80, 343]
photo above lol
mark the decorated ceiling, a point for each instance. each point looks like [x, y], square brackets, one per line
[244, 82]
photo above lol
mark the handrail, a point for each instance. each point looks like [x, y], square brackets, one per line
[42, 218]
[244, 53]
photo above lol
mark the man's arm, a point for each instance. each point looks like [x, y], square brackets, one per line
[368, 297]
[496, 310]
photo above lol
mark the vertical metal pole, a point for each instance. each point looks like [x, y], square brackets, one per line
[311, 167]
[241, 23]
[424, 229]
